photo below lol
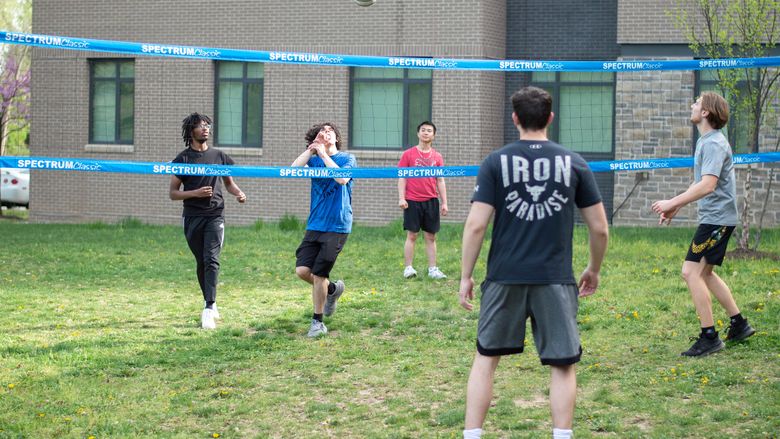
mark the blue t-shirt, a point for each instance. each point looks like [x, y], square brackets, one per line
[331, 202]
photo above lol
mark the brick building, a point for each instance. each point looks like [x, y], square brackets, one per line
[106, 106]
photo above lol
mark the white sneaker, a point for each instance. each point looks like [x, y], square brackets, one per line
[215, 311]
[317, 328]
[409, 272]
[435, 273]
[207, 319]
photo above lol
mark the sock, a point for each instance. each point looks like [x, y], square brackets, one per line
[737, 319]
[210, 305]
[474, 433]
[560, 433]
[331, 288]
[709, 332]
[317, 317]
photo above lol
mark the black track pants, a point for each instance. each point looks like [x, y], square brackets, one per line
[204, 236]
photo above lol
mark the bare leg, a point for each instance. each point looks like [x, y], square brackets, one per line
[305, 274]
[480, 390]
[430, 248]
[693, 273]
[563, 392]
[721, 291]
[319, 293]
[411, 237]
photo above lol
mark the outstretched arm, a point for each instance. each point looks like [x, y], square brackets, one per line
[667, 209]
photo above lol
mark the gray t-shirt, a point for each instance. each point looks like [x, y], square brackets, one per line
[534, 187]
[713, 157]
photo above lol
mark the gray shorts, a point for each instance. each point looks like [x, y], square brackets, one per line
[553, 312]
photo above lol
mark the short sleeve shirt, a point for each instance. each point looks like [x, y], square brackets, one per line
[534, 187]
[713, 157]
[420, 189]
[331, 202]
[203, 206]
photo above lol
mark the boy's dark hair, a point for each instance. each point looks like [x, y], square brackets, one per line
[311, 134]
[717, 107]
[533, 106]
[189, 123]
[427, 122]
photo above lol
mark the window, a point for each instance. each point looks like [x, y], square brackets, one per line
[239, 102]
[387, 105]
[737, 129]
[111, 101]
[584, 107]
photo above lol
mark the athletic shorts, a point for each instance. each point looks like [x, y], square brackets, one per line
[709, 242]
[319, 251]
[504, 310]
[422, 214]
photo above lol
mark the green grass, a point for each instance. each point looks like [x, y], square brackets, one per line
[99, 337]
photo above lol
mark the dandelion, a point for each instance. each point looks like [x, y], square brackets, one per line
[635, 314]
[91, 437]
[645, 350]
[40, 415]
[215, 435]
[673, 370]
[67, 419]
[720, 323]
[618, 316]
[656, 271]
[704, 380]
[11, 386]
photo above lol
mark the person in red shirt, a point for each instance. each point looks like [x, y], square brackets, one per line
[422, 200]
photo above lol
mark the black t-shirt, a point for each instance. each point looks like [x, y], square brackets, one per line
[534, 187]
[203, 206]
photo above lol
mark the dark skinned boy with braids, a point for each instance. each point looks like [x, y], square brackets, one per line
[203, 219]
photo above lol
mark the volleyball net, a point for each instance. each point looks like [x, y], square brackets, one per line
[620, 115]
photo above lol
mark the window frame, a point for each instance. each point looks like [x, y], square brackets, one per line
[405, 82]
[245, 81]
[118, 81]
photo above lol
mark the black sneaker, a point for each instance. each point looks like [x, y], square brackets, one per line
[739, 332]
[704, 346]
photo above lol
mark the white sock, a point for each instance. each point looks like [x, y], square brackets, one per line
[560, 433]
[474, 433]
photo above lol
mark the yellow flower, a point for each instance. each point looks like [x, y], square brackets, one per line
[635, 314]
[11, 386]
[645, 350]
[618, 316]
[655, 271]
[673, 370]
[215, 435]
[91, 437]
[720, 323]
[40, 415]
[705, 380]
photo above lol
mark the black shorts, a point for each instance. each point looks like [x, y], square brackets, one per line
[709, 242]
[422, 214]
[319, 251]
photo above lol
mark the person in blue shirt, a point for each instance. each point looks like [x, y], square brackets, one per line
[329, 223]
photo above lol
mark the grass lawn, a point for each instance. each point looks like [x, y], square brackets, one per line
[99, 337]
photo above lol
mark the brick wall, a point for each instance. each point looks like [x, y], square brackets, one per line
[466, 105]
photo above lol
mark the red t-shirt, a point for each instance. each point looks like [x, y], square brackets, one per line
[420, 189]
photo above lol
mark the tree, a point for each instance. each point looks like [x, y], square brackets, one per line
[14, 100]
[15, 15]
[739, 29]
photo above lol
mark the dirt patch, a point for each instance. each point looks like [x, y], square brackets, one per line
[537, 401]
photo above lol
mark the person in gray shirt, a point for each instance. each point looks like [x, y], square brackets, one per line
[714, 189]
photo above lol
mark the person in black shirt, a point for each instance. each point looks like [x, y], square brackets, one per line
[204, 223]
[532, 187]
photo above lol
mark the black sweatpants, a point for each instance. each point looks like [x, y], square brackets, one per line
[204, 236]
